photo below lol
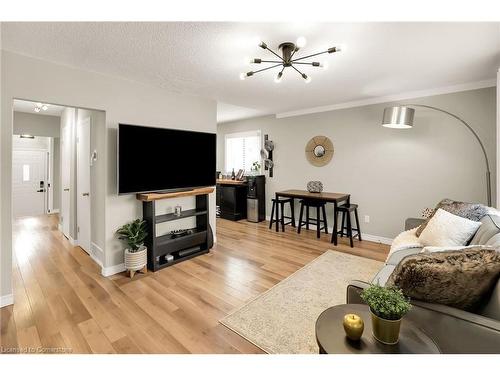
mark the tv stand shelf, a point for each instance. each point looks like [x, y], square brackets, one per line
[183, 215]
[181, 248]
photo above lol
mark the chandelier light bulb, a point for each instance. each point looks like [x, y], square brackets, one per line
[277, 79]
[243, 76]
[307, 79]
[324, 65]
[301, 42]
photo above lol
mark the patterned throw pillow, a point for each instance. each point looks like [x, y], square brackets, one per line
[427, 213]
[461, 279]
[471, 211]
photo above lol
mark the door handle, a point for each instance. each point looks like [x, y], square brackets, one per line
[41, 191]
[85, 194]
[67, 189]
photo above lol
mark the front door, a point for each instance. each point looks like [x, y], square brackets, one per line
[29, 179]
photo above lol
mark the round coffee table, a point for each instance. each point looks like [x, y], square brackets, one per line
[331, 337]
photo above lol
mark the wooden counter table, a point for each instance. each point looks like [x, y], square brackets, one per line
[334, 198]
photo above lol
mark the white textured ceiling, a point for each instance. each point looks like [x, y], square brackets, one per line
[205, 59]
[29, 107]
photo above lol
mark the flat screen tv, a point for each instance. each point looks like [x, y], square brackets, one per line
[157, 159]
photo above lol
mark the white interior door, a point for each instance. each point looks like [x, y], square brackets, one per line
[83, 183]
[29, 181]
[66, 150]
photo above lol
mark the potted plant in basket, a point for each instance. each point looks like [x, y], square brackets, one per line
[387, 305]
[136, 254]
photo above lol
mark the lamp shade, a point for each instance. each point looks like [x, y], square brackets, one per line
[398, 117]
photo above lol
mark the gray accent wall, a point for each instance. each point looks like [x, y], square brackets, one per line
[392, 174]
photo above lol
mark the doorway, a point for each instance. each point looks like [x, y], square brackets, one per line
[83, 127]
[60, 173]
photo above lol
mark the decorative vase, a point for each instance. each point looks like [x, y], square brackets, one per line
[136, 261]
[353, 326]
[384, 330]
[314, 186]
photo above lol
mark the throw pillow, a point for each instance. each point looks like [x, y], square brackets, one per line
[471, 211]
[445, 229]
[427, 213]
[460, 279]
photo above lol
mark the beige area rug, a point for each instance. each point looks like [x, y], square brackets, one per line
[282, 320]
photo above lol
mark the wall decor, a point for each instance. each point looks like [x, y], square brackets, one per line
[267, 155]
[319, 151]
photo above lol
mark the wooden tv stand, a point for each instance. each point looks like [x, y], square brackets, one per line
[200, 241]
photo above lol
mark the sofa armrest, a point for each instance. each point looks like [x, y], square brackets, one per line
[456, 331]
[354, 290]
[460, 314]
[413, 222]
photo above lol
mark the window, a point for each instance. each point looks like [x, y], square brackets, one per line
[26, 172]
[242, 150]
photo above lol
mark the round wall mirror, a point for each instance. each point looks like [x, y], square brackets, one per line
[319, 151]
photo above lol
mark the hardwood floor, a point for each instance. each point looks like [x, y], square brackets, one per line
[63, 304]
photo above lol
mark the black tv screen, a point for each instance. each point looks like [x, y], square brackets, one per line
[157, 159]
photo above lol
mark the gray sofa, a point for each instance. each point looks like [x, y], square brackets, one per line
[453, 330]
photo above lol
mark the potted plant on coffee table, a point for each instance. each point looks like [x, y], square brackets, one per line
[387, 305]
[136, 254]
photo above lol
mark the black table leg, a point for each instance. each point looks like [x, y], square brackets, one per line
[334, 234]
[277, 213]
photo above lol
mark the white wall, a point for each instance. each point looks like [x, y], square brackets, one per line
[392, 174]
[42, 125]
[123, 101]
[498, 141]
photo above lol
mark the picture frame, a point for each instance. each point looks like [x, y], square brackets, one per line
[239, 175]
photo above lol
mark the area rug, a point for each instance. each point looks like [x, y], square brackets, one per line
[282, 319]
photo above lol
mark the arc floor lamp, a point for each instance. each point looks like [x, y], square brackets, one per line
[401, 117]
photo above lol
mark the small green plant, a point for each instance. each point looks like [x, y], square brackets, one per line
[255, 166]
[133, 234]
[386, 302]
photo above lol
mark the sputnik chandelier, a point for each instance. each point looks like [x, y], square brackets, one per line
[287, 60]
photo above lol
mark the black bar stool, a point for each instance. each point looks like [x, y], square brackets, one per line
[282, 217]
[347, 228]
[318, 221]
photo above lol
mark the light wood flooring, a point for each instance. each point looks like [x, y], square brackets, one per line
[62, 303]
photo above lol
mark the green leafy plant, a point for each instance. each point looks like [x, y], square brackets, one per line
[255, 166]
[386, 302]
[133, 234]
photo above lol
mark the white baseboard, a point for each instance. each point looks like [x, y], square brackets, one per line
[6, 300]
[54, 211]
[96, 253]
[364, 236]
[109, 271]
[72, 241]
[379, 239]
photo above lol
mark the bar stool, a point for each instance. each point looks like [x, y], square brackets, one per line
[347, 228]
[318, 221]
[282, 202]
